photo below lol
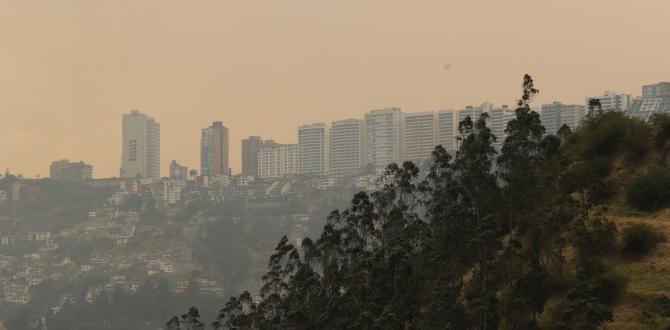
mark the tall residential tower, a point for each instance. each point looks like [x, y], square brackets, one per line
[383, 137]
[611, 101]
[557, 114]
[447, 126]
[276, 160]
[141, 146]
[420, 137]
[498, 119]
[347, 147]
[214, 150]
[313, 149]
[250, 148]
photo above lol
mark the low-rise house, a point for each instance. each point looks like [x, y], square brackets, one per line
[245, 180]
[93, 293]
[181, 286]
[17, 292]
[8, 239]
[61, 301]
[67, 233]
[7, 262]
[166, 267]
[327, 182]
[286, 189]
[38, 236]
[100, 261]
[167, 192]
[117, 198]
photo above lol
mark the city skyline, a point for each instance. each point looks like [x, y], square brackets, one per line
[499, 116]
[75, 68]
[416, 134]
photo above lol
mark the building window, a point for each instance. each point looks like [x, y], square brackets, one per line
[132, 150]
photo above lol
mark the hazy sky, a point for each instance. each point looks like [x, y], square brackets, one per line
[69, 69]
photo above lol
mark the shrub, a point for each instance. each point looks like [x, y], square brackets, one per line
[596, 236]
[589, 302]
[650, 191]
[640, 239]
[608, 134]
[662, 305]
[661, 123]
[590, 176]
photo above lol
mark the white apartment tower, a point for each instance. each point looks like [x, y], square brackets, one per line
[447, 126]
[276, 160]
[383, 137]
[141, 148]
[474, 112]
[573, 115]
[498, 119]
[557, 114]
[313, 149]
[347, 147]
[420, 136]
[611, 101]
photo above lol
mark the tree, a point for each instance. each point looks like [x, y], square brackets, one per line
[564, 132]
[193, 173]
[478, 242]
[480, 196]
[595, 108]
[588, 302]
[189, 321]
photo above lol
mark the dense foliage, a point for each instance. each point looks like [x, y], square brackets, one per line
[650, 191]
[484, 240]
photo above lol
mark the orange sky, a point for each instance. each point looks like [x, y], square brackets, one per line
[70, 68]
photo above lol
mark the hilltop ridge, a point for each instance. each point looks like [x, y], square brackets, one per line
[556, 230]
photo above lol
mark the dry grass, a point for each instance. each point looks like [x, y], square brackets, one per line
[649, 277]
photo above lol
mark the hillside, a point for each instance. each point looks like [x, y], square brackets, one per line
[649, 278]
[555, 230]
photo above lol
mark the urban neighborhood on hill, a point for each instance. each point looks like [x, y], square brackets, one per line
[129, 228]
[335, 165]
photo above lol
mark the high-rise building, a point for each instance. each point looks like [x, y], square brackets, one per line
[656, 90]
[447, 126]
[420, 136]
[347, 147]
[550, 115]
[313, 149]
[383, 137]
[65, 170]
[557, 114]
[474, 112]
[250, 148]
[655, 99]
[611, 101]
[276, 160]
[178, 172]
[214, 150]
[573, 115]
[141, 146]
[498, 119]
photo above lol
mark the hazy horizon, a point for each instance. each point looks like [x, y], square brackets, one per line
[71, 68]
